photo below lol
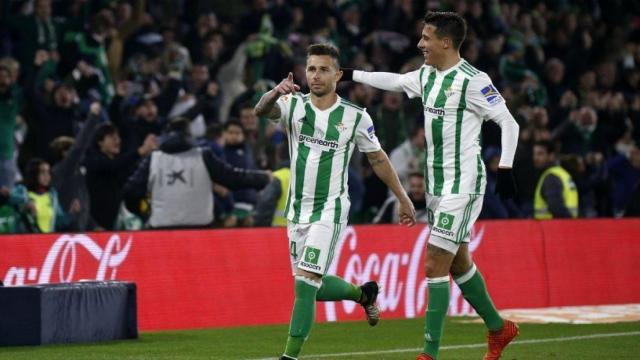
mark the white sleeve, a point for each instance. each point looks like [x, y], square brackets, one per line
[484, 99]
[408, 83]
[284, 103]
[366, 138]
[509, 141]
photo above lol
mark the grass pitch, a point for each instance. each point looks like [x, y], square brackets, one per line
[391, 339]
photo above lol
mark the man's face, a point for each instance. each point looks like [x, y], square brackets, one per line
[5, 80]
[233, 135]
[63, 97]
[431, 46]
[43, 9]
[541, 157]
[416, 187]
[200, 74]
[322, 74]
[110, 144]
[148, 111]
[44, 175]
[248, 119]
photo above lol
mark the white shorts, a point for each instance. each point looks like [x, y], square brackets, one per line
[451, 218]
[312, 246]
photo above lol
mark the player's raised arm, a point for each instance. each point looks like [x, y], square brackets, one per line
[267, 104]
[382, 167]
[408, 83]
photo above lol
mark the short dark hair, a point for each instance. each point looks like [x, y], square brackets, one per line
[103, 130]
[233, 122]
[31, 172]
[547, 145]
[448, 24]
[325, 49]
[416, 174]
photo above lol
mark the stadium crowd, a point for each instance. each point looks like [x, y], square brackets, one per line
[88, 89]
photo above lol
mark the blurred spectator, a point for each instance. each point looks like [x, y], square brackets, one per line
[47, 211]
[388, 212]
[10, 102]
[556, 194]
[85, 55]
[180, 179]
[60, 118]
[272, 201]
[69, 175]
[391, 123]
[494, 207]
[580, 134]
[625, 174]
[108, 170]
[409, 156]
[239, 154]
[39, 30]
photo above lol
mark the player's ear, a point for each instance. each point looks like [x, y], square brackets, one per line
[446, 43]
[339, 74]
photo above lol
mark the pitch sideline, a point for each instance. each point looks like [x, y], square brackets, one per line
[470, 346]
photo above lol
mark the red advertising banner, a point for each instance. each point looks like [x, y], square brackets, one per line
[214, 278]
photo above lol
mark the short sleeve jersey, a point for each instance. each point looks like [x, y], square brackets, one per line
[321, 143]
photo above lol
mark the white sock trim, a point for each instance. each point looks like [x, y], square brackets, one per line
[467, 276]
[438, 280]
[306, 280]
[289, 357]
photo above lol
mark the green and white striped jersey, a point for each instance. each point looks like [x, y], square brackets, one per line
[456, 102]
[320, 146]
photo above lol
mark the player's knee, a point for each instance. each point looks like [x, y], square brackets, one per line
[460, 268]
[316, 278]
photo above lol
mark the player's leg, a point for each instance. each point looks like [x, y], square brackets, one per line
[306, 287]
[438, 261]
[447, 214]
[335, 288]
[474, 290]
[311, 247]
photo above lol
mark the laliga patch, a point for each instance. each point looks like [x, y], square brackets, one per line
[444, 226]
[491, 94]
[371, 132]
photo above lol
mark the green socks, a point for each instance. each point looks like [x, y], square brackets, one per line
[335, 289]
[436, 312]
[303, 315]
[475, 292]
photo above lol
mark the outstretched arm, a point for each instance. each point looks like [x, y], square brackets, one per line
[383, 169]
[267, 104]
[408, 83]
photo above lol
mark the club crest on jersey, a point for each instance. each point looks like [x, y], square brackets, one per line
[491, 94]
[340, 127]
[449, 92]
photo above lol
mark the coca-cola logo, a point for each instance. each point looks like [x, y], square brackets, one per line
[62, 260]
[400, 275]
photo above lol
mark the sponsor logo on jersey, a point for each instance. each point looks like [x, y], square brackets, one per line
[434, 111]
[491, 94]
[312, 142]
[309, 266]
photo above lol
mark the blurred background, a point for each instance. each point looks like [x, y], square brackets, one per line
[88, 89]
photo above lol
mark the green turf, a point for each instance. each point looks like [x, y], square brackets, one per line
[348, 337]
